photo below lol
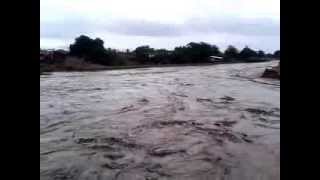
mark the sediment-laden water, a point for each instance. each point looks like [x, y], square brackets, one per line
[209, 122]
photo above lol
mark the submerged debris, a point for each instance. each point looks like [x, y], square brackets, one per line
[204, 100]
[161, 152]
[227, 98]
[225, 123]
[114, 155]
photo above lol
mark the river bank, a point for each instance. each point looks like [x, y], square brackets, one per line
[81, 66]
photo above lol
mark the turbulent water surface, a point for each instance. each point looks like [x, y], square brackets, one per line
[205, 122]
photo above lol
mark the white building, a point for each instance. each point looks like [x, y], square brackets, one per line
[216, 58]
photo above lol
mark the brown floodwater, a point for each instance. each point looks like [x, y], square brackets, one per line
[218, 122]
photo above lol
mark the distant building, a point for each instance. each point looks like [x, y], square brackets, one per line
[52, 55]
[46, 55]
[60, 55]
[216, 58]
[151, 55]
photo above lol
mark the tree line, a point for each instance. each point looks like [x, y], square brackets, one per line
[93, 50]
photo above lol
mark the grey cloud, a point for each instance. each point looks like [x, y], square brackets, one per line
[144, 28]
[238, 26]
[251, 27]
[66, 29]
[254, 27]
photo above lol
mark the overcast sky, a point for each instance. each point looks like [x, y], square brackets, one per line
[162, 23]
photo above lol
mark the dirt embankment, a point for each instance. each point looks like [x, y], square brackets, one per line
[70, 64]
[273, 72]
[76, 64]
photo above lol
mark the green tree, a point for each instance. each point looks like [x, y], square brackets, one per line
[247, 53]
[261, 54]
[143, 53]
[85, 46]
[269, 55]
[231, 53]
[92, 50]
[215, 51]
[180, 55]
[199, 52]
[161, 56]
[276, 54]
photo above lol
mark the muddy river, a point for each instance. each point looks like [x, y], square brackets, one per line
[218, 122]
